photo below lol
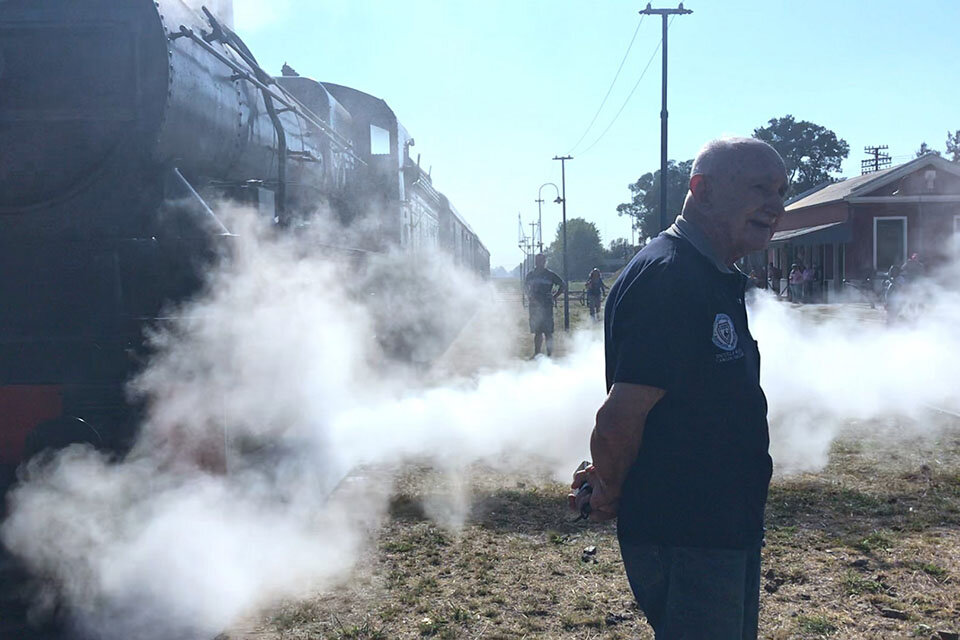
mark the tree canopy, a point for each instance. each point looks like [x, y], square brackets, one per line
[620, 249]
[953, 145]
[810, 151]
[644, 206]
[925, 149]
[584, 250]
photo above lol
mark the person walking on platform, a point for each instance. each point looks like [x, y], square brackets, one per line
[541, 296]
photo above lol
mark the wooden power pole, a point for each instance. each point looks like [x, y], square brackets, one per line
[665, 220]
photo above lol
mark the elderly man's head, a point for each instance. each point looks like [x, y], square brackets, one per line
[736, 194]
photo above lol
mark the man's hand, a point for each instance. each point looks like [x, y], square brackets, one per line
[614, 445]
[599, 500]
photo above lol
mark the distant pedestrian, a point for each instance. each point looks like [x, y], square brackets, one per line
[795, 280]
[775, 276]
[540, 293]
[807, 278]
[595, 290]
[913, 268]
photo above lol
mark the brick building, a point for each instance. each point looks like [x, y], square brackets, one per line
[857, 228]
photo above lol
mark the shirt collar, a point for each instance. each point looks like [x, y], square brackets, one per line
[689, 231]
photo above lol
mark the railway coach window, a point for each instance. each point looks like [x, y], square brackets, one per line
[379, 141]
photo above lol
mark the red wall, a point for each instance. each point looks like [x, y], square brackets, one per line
[929, 233]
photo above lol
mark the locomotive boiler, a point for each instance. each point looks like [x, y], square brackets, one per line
[120, 124]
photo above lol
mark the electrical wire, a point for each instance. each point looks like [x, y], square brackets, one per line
[609, 90]
[630, 95]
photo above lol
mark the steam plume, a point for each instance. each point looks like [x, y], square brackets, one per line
[282, 351]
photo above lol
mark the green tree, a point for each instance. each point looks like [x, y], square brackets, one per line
[620, 249]
[584, 250]
[810, 151]
[953, 145]
[925, 149]
[644, 205]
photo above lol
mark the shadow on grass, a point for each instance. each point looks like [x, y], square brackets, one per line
[909, 504]
[914, 505]
[528, 511]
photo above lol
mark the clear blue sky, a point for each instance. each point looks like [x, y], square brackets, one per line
[493, 90]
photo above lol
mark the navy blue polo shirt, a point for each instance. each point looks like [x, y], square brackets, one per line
[674, 321]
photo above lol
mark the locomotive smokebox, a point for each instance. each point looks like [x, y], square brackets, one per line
[70, 94]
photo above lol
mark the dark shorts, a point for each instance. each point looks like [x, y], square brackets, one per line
[541, 318]
[696, 593]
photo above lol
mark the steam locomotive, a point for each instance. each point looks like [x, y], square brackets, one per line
[121, 124]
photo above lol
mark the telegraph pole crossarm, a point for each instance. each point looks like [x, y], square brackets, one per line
[663, 13]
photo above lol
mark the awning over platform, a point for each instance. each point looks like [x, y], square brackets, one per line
[834, 232]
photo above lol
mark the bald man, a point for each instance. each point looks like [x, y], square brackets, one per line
[680, 446]
[541, 295]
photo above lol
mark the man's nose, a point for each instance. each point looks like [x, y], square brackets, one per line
[774, 206]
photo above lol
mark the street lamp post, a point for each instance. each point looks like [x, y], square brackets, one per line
[566, 283]
[539, 202]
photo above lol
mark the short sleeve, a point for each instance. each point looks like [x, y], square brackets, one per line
[651, 343]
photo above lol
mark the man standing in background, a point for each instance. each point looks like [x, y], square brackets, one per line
[540, 294]
[680, 446]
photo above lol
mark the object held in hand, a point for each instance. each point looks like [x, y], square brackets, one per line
[584, 490]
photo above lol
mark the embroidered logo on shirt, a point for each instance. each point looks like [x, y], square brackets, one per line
[724, 334]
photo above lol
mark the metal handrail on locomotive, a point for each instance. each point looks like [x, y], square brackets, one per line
[120, 124]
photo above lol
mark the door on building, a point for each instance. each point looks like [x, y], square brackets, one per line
[889, 242]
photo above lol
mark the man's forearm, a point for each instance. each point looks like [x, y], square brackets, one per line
[617, 436]
[614, 447]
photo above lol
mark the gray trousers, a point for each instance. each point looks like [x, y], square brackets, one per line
[696, 594]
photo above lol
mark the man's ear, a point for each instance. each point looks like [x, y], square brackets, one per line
[700, 188]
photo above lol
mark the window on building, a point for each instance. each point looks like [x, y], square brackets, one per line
[379, 141]
[889, 242]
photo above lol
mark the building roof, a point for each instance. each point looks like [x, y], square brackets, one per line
[819, 234]
[860, 185]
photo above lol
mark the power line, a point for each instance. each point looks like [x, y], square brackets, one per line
[612, 83]
[630, 95]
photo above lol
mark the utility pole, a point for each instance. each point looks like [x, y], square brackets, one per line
[878, 161]
[663, 13]
[539, 202]
[563, 198]
[533, 239]
[522, 243]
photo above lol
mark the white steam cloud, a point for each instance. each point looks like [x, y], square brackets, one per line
[283, 351]
[823, 369]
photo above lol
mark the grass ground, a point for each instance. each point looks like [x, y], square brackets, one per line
[867, 548]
